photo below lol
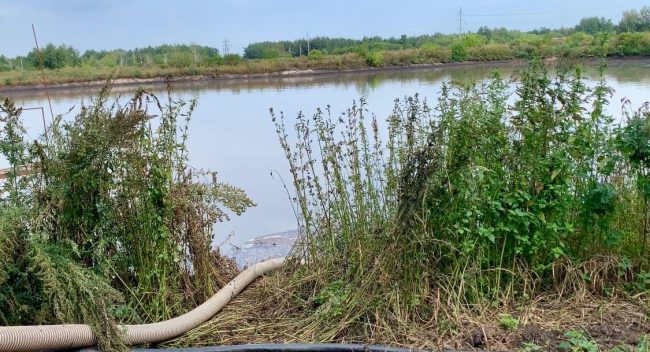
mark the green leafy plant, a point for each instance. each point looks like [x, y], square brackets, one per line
[576, 341]
[508, 322]
[530, 347]
[642, 282]
[374, 59]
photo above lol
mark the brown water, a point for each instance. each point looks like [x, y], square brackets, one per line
[231, 131]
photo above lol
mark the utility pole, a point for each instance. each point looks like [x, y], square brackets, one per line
[307, 43]
[460, 21]
[226, 46]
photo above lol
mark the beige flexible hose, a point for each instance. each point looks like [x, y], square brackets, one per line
[40, 337]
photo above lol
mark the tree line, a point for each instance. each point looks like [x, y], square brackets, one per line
[591, 36]
[631, 21]
[178, 55]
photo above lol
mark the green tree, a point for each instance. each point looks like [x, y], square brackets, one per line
[54, 56]
[593, 25]
[635, 21]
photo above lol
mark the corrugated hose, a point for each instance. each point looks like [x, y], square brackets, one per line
[67, 336]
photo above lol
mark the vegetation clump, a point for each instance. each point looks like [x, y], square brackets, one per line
[492, 199]
[110, 225]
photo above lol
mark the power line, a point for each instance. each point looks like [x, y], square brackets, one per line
[516, 14]
[226, 46]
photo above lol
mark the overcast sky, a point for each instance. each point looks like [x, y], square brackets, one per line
[111, 24]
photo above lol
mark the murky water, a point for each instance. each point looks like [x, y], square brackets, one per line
[231, 131]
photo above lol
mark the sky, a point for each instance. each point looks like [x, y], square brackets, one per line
[112, 24]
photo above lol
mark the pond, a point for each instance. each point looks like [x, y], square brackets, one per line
[231, 130]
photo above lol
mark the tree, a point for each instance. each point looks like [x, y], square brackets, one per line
[635, 21]
[593, 25]
[54, 56]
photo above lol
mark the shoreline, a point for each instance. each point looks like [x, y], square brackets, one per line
[164, 80]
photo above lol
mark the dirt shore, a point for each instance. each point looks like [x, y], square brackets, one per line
[136, 82]
[157, 81]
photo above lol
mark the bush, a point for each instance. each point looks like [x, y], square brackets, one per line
[112, 225]
[315, 54]
[490, 52]
[435, 52]
[374, 59]
[402, 57]
[458, 52]
[489, 196]
[627, 44]
[232, 59]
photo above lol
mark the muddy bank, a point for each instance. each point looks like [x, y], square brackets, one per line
[158, 81]
[130, 83]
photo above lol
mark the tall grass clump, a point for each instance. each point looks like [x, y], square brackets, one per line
[496, 193]
[103, 221]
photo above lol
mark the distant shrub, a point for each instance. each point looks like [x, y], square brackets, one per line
[458, 52]
[402, 57]
[270, 53]
[490, 52]
[232, 59]
[315, 54]
[435, 52]
[632, 44]
[374, 59]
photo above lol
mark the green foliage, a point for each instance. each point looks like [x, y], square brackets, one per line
[270, 53]
[331, 299]
[508, 322]
[484, 196]
[110, 225]
[72, 293]
[374, 59]
[633, 142]
[232, 59]
[593, 25]
[54, 56]
[530, 347]
[435, 52]
[490, 52]
[642, 282]
[458, 52]
[577, 341]
[315, 54]
[635, 21]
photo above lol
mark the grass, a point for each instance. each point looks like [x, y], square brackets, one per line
[461, 217]
[86, 74]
